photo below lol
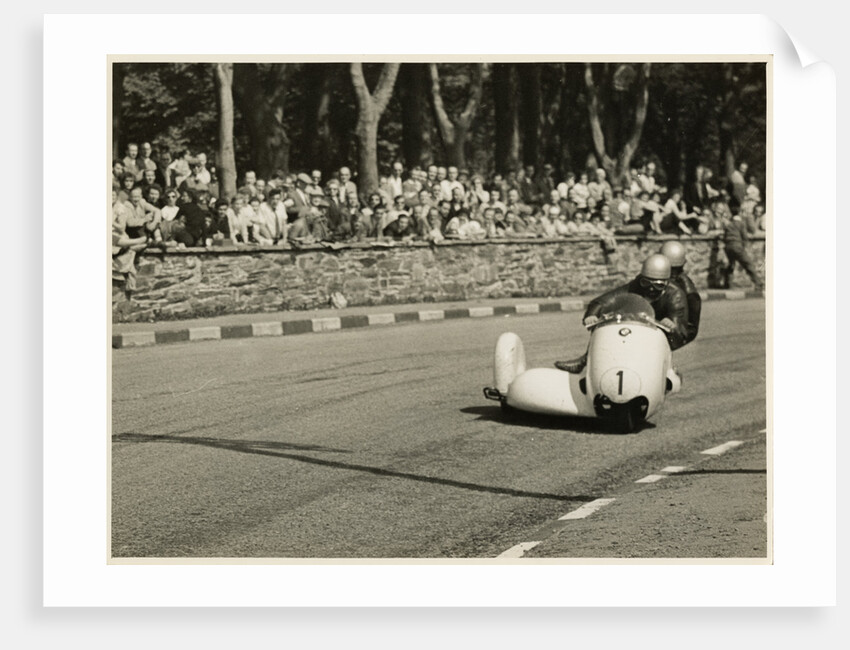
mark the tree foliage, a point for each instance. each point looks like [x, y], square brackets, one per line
[299, 116]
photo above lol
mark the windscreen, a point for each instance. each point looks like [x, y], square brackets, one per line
[629, 306]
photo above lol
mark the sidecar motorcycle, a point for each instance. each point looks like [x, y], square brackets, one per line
[628, 374]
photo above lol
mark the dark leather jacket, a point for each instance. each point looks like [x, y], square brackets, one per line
[694, 304]
[672, 304]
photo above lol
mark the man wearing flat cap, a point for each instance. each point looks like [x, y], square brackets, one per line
[300, 197]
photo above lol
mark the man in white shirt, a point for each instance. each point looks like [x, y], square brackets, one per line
[346, 186]
[394, 182]
[450, 183]
[203, 174]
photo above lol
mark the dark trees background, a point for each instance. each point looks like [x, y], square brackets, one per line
[487, 117]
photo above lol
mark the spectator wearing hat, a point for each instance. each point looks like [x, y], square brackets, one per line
[300, 199]
[317, 216]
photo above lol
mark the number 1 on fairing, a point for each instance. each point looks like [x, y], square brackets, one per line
[620, 383]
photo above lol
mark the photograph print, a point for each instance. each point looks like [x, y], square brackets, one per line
[502, 311]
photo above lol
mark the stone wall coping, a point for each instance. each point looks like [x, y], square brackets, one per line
[376, 245]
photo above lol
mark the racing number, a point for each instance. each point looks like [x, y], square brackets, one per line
[620, 382]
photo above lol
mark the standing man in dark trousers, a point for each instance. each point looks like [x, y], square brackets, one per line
[735, 240]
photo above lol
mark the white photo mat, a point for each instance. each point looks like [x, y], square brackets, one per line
[76, 376]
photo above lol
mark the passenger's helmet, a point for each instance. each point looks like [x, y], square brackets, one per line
[656, 267]
[675, 252]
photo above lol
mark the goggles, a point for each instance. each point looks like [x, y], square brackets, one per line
[657, 285]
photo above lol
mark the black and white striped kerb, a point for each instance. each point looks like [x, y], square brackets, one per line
[333, 323]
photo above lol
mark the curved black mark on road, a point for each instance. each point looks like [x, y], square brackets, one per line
[264, 448]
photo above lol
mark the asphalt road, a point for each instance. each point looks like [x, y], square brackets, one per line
[378, 443]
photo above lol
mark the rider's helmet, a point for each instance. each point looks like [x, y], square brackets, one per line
[656, 267]
[675, 252]
[654, 275]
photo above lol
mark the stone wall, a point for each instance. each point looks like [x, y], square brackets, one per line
[196, 283]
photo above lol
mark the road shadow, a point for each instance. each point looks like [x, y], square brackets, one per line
[721, 471]
[574, 424]
[235, 445]
[277, 450]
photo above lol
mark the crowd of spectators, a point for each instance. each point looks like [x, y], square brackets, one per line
[177, 202]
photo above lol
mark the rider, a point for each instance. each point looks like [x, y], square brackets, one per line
[675, 252]
[653, 283]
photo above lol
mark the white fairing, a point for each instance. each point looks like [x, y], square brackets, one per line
[626, 359]
[509, 361]
[549, 391]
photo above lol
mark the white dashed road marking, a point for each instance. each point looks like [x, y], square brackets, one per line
[586, 510]
[589, 508]
[518, 550]
[726, 446]
[650, 479]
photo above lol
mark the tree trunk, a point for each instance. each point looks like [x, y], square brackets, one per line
[226, 155]
[453, 131]
[571, 125]
[532, 113]
[726, 132]
[413, 79]
[117, 100]
[505, 105]
[316, 139]
[370, 107]
[262, 106]
[615, 159]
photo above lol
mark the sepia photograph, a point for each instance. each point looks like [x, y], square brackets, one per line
[447, 309]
